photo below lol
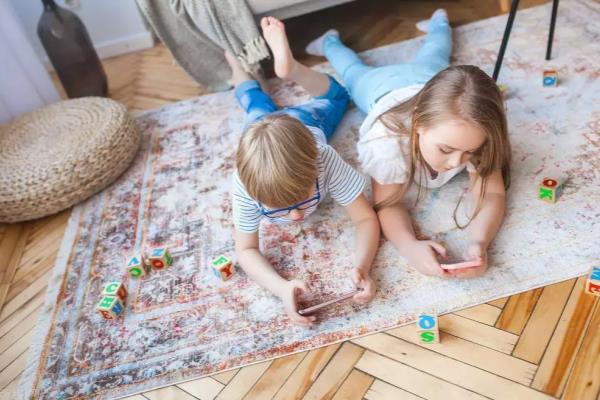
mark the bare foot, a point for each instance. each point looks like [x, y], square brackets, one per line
[239, 75]
[438, 16]
[274, 33]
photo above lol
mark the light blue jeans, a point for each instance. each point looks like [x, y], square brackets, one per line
[324, 112]
[367, 84]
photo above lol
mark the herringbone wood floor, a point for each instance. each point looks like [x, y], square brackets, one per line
[544, 343]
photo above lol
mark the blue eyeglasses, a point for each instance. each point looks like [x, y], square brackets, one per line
[303, 205]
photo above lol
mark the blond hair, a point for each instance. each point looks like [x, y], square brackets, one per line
[277, 161]
[460, 92]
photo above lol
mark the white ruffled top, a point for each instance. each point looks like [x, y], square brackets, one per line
[385, 156]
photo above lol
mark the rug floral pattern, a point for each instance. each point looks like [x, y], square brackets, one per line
[183, 322]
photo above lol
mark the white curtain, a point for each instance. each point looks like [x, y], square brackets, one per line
[24, 82]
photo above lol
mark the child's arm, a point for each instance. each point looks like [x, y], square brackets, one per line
[397, 227]
[261, 271]
[484, 227]
[367, 241]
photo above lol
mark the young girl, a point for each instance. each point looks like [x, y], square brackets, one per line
[427, 123]
[285, 168]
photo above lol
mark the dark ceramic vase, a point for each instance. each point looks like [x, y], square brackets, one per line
[71, 52]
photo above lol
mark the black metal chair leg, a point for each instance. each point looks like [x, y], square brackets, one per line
[509, 23]
[551, 33]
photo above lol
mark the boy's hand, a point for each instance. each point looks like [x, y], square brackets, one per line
[288, 297]
[364, 281]
[475, 251]
[422, 256]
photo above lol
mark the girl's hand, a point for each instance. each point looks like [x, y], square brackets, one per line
[364, 281]
[475, 251]
[288, 296]
[422, 256]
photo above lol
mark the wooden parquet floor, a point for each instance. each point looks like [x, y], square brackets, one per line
[544, 343]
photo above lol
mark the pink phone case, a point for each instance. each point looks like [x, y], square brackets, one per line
[462, 264]
[317, 307]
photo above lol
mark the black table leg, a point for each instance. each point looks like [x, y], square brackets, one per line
[551, 33]
[509, 23]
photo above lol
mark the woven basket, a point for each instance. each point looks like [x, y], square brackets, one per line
[59, 155]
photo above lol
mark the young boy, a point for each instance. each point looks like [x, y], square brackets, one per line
[285, 168]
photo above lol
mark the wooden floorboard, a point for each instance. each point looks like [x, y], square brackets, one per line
[500, 303]
[13, 244]
[517, 311]
[303, 377]
[243, 381]
[562, 351]
[474, 354]
[584, 380]
[15, 320]
[274, 377]
[169, 393]
[226, 377]
[26, 325]
[203, 388]
[484, 313]
[10, 391]
[544, 343]
[544, 318]
[411, 379]
[381, 390]
[354, 387]
[477, 332]
[447, 369]
[334, 374]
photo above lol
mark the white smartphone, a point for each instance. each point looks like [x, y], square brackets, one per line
[317, 307]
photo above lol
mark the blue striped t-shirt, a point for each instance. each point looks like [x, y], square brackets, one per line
[336, 177]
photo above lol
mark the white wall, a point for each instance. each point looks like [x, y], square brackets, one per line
[115, 26]
[24, 83]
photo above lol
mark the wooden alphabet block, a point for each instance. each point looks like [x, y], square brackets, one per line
[222, 267]
[503, 89]
[115, 289]
[592, 285]
[550, 190]
[136, 267]
[160, 258]
[427, 328]
[110, 307]
[550, 78]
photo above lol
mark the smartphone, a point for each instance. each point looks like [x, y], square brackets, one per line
[461, 264]
[317, 307]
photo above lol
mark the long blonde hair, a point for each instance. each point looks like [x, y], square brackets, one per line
[277, 160]
[459, 92]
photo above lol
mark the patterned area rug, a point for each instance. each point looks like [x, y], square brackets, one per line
[183, 322]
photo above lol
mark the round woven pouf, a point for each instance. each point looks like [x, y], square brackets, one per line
[59, 155]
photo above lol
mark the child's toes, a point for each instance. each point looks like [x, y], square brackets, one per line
[264, 22]
[275, 22]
